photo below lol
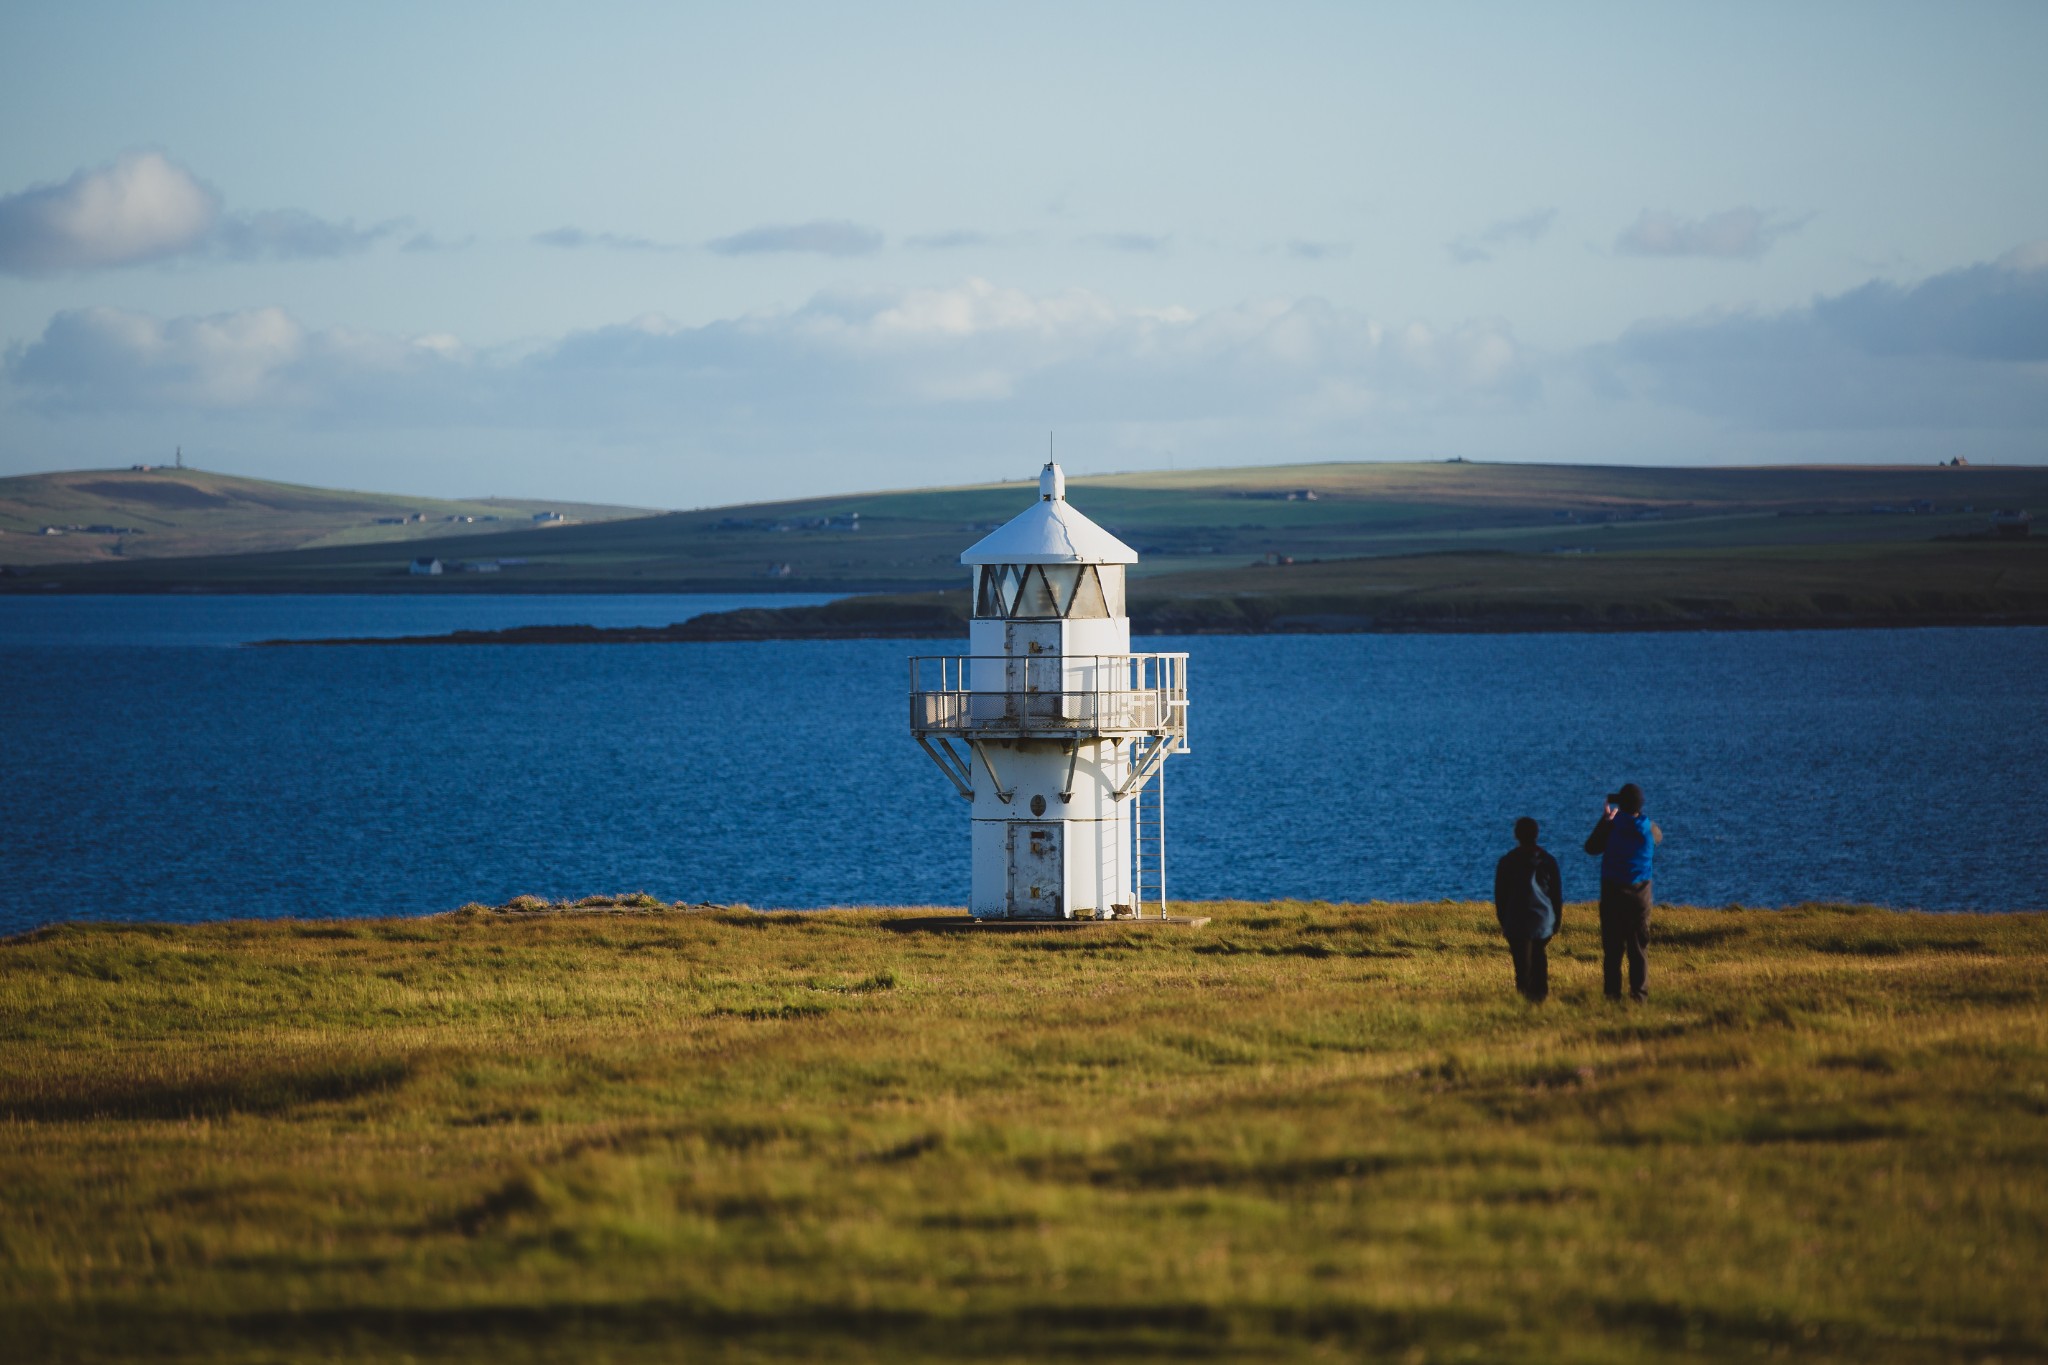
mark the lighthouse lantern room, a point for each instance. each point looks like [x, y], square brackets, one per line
[1050, 727]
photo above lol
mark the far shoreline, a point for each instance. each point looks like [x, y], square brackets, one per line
[688, 632]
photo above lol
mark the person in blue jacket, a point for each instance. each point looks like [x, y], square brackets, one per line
[1528, 899]
[1626, 842]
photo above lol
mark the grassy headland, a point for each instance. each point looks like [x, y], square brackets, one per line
[1195, 521]
[1734, 587]
[116, 516]
[1802, 587]
[1305, 1131]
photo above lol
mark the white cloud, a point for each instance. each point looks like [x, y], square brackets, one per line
[144, 207]
[1966, 349]
[139, 207]
[257, 359]
[897, 371]
[951, 240]
[841, 370]
[1302, 249]
[1475, 247]
[823, 238]
[574, 238]
[291, 235]
[1741, 233]
[428, 242]
[2028, 256]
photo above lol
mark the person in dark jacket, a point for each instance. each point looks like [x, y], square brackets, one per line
[1528, 899]
[1626, 842]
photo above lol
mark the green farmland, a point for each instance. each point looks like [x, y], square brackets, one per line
[125, 516]
[1185, 522]
[1303, 1132]
[1806, 586]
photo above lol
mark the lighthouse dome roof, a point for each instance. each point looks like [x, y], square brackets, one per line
[1049, 532]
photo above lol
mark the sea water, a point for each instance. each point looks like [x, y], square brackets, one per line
[152, 766]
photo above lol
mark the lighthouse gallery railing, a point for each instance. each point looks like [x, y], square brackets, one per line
[1049, 694]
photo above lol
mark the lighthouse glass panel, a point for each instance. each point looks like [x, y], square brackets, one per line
[1036, 601]
[1047, 592]
[988, 596]
[1113, 587]
[1060, 578]
[1088, 603]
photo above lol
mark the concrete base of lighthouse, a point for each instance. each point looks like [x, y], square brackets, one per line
[1037, 856]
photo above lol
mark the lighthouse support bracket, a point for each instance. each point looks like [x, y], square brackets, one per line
[1143, 767]
[1002, 795]
[952, 765]
[1073, 761]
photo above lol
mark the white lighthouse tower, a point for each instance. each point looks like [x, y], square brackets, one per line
[1050, 726]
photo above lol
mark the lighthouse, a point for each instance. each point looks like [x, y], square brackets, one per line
[1050, 727]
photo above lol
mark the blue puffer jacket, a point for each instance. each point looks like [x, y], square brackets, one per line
[1625, 847]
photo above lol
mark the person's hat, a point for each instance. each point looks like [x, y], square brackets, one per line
[1629, 798]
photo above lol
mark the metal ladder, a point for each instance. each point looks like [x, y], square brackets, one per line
[1148, 843]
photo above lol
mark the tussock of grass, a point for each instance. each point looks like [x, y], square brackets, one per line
[1306, 1131]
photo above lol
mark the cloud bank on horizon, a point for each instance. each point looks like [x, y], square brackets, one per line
[847, 288]
[958, 359]
[1966, 351]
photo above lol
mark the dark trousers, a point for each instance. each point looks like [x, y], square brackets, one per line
[1532, 966]
[1625, 932]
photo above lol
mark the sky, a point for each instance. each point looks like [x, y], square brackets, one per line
[683, 255]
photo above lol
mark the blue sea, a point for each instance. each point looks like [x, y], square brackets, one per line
[154, 767]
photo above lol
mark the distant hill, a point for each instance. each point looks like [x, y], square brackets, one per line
[1179, 522]
[87, 516]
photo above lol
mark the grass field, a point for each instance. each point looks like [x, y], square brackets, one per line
[1306, 1131]
[1179, 522]
[170, 513]
[1872, 584]
[1929, 583]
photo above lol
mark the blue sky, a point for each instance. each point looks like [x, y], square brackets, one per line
[682, 255]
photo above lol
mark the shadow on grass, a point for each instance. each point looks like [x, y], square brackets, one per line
[1149, 1171]
[1898, 945]
[1698, 936]
[1063, 1329]
[207, 1096]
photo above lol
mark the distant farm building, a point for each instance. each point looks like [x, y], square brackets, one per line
[2012, 523]
[426, 566]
